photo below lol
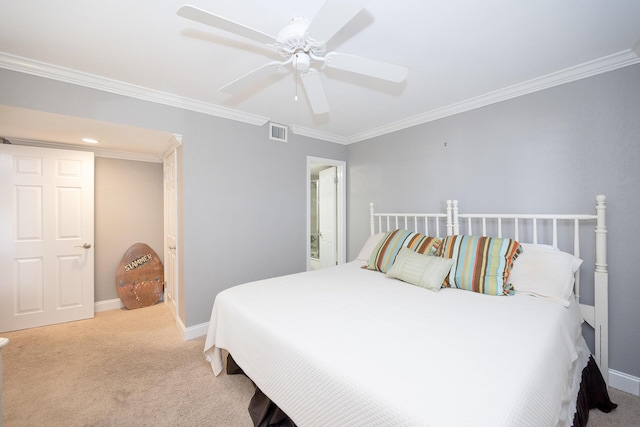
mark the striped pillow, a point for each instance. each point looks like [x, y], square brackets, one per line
[385, 252]
[480, 264]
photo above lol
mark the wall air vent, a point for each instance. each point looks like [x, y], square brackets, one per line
[277, 132]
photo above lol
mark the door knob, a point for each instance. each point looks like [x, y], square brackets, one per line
[86, 246]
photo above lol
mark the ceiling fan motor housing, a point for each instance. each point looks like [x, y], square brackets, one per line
[294, 41]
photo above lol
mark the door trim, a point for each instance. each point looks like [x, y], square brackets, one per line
[174, 305]
[341, 202]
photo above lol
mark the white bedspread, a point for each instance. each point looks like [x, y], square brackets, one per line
[350, 347]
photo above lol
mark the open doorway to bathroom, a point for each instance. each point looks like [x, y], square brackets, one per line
[326, 206]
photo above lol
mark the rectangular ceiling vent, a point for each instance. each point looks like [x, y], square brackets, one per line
[277, 132]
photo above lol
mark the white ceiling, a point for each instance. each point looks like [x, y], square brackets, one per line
[461, 54]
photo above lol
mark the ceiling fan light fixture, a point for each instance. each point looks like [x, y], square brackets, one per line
[302, 61]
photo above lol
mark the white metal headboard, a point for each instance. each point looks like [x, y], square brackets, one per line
[519, 227]
[418, 222]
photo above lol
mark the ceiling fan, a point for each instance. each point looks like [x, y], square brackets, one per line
[301, 44]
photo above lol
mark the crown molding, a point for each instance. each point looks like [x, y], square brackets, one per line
[174, 142]
[67, 75]
[582, 71]
[587, 69]
[121, 155]
[312, 133]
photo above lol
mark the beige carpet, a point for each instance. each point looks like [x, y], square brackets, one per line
[123, 368]
[131, 368]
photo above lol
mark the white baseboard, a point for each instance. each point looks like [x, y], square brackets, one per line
[624, 382]
[187, 333]
[111, 304]
[194, 331]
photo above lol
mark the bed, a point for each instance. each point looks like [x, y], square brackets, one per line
[380, 342]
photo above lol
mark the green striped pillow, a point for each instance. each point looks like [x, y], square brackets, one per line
[480, 264]
[385, 252]
[426, 271]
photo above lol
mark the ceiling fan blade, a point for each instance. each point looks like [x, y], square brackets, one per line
[208, 18]
[365, 66]
[332, 16]
[253, 77]
[315, 92]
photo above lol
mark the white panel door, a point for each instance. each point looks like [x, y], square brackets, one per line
[46, 236]
[171, 227]
[327, 196]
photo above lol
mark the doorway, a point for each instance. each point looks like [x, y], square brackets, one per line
[326, 212]
[113, 174]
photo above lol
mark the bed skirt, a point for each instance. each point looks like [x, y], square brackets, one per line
[263, 412]
[593, 394]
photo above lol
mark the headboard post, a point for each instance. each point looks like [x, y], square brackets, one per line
[601, 290]
[449, 217]
[371, 220]
[601, 234]
[455, 223]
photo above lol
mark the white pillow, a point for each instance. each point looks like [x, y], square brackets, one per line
[545, 272]
[368, 247]
[538, 246]
[426, 271]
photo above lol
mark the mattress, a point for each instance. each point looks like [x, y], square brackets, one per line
[346, 346]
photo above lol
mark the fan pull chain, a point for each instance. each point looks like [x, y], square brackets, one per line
[295, 98]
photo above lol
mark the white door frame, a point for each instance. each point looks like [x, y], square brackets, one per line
[341, 167]
[327, 216]
[174, 304]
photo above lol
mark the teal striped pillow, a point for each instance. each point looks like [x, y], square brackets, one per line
[385, 252]
[480, 264]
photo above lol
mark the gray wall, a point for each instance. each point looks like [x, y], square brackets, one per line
[128, 209]
[550, 151]
[244, 197]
